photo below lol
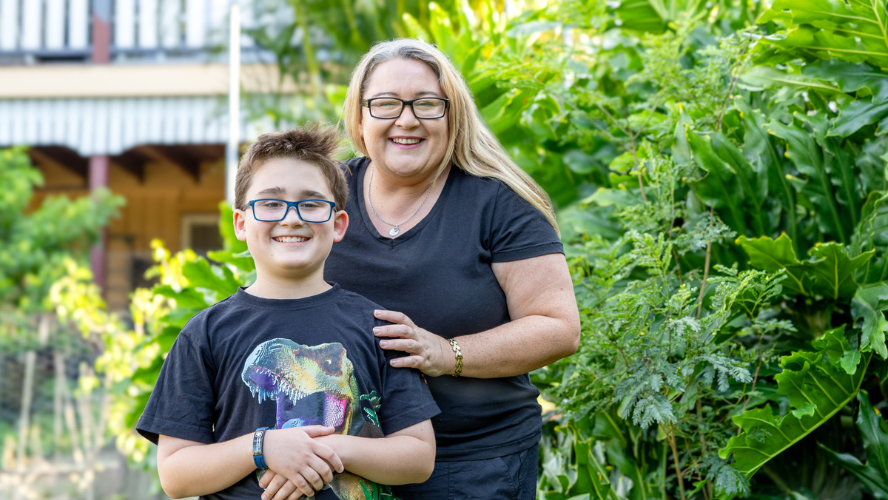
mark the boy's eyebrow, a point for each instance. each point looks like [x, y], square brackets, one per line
[304, 194]
[307, 193]
[271, 191]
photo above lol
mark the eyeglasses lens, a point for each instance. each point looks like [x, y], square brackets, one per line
[276, 210]
[422, 108]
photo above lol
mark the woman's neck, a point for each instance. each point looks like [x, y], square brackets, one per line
[400, 202]
[400, 194]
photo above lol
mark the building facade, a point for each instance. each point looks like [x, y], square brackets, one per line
[131, 95]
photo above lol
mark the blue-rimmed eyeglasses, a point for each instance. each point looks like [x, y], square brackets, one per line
[271, 210]
[425, 108]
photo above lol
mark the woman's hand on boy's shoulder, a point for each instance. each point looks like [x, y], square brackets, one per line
[302, 464]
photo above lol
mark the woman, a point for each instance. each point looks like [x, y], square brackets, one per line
[462, 248]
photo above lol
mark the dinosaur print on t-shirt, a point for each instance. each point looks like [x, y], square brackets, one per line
[316, 385]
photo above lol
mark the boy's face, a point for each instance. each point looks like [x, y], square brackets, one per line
[291, 248]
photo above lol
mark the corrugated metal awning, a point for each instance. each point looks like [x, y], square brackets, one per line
[110, 126]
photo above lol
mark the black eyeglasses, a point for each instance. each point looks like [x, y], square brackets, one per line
[271, 210]
[425, 108]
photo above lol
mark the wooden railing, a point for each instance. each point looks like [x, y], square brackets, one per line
[48, 30]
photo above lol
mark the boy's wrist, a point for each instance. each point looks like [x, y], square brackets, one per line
[259, 448]
[339, 444]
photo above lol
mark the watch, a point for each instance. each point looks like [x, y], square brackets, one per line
[258, 439]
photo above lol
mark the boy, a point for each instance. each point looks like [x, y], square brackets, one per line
[292, 353]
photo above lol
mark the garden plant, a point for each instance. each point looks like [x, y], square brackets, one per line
[721, 174]
[43, 243]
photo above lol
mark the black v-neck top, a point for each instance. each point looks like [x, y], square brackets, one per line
[439, 274]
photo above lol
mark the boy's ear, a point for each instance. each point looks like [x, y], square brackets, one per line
[340, 224]
[239, 230]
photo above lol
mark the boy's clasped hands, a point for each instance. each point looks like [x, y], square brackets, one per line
[299, 464]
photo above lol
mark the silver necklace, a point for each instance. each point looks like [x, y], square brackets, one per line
[396, 228]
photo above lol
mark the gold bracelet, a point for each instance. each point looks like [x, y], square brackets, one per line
[455, 347]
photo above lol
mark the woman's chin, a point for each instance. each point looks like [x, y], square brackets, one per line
[411, 166]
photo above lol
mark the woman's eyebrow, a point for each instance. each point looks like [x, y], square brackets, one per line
[416, 94]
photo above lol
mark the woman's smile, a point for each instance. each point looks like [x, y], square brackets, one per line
[406, 142]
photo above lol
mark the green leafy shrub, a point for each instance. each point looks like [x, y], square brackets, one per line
[36, 242]
[720, 170]
[713, 133]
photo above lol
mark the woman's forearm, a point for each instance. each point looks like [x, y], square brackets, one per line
[515, 348]
[203, 469]
[545, 327]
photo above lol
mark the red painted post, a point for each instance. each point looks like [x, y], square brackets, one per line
[101, 32]
[98, 177]
[98, 165]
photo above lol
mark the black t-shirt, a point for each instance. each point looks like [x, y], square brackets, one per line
[249, 362]
[439, 274]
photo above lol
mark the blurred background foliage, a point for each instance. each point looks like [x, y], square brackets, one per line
[719, 168]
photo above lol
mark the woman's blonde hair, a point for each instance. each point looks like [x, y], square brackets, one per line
[472, 147]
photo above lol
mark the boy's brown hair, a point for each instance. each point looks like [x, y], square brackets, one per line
[313, 143]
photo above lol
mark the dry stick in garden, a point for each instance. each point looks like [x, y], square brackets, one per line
[707, 493]
[734, 77]
[635, 145]
[28, 392]
[678, 474]
[705, 271]
[708, 490]
[88, 423]
[758, 367]
[71, 418]
[57, 403]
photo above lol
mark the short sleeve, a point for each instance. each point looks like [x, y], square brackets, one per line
[406, 399]
[182, 403]
[519, 230]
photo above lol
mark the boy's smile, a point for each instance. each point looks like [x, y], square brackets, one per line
[289, 253]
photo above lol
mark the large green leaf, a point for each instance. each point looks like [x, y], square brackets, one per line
[773, 255]
[730, 182]
[807, 156]
[758, 146]
[834, 270]
[851, 77]
[868, 304]
[836, 350]
[856, 31]
[869, 235]
[187, 297]
[218, 279]
[828, 272]
[645, 16]
[874, 431]
[857, 115]
[816, 388]
[767, 77]
[838, 163]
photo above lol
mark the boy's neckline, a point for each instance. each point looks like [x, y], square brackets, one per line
[244, 295]
[287, 291]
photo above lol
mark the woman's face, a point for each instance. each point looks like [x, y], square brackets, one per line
[404, 147]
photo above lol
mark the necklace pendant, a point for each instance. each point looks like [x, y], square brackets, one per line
[394, 231]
